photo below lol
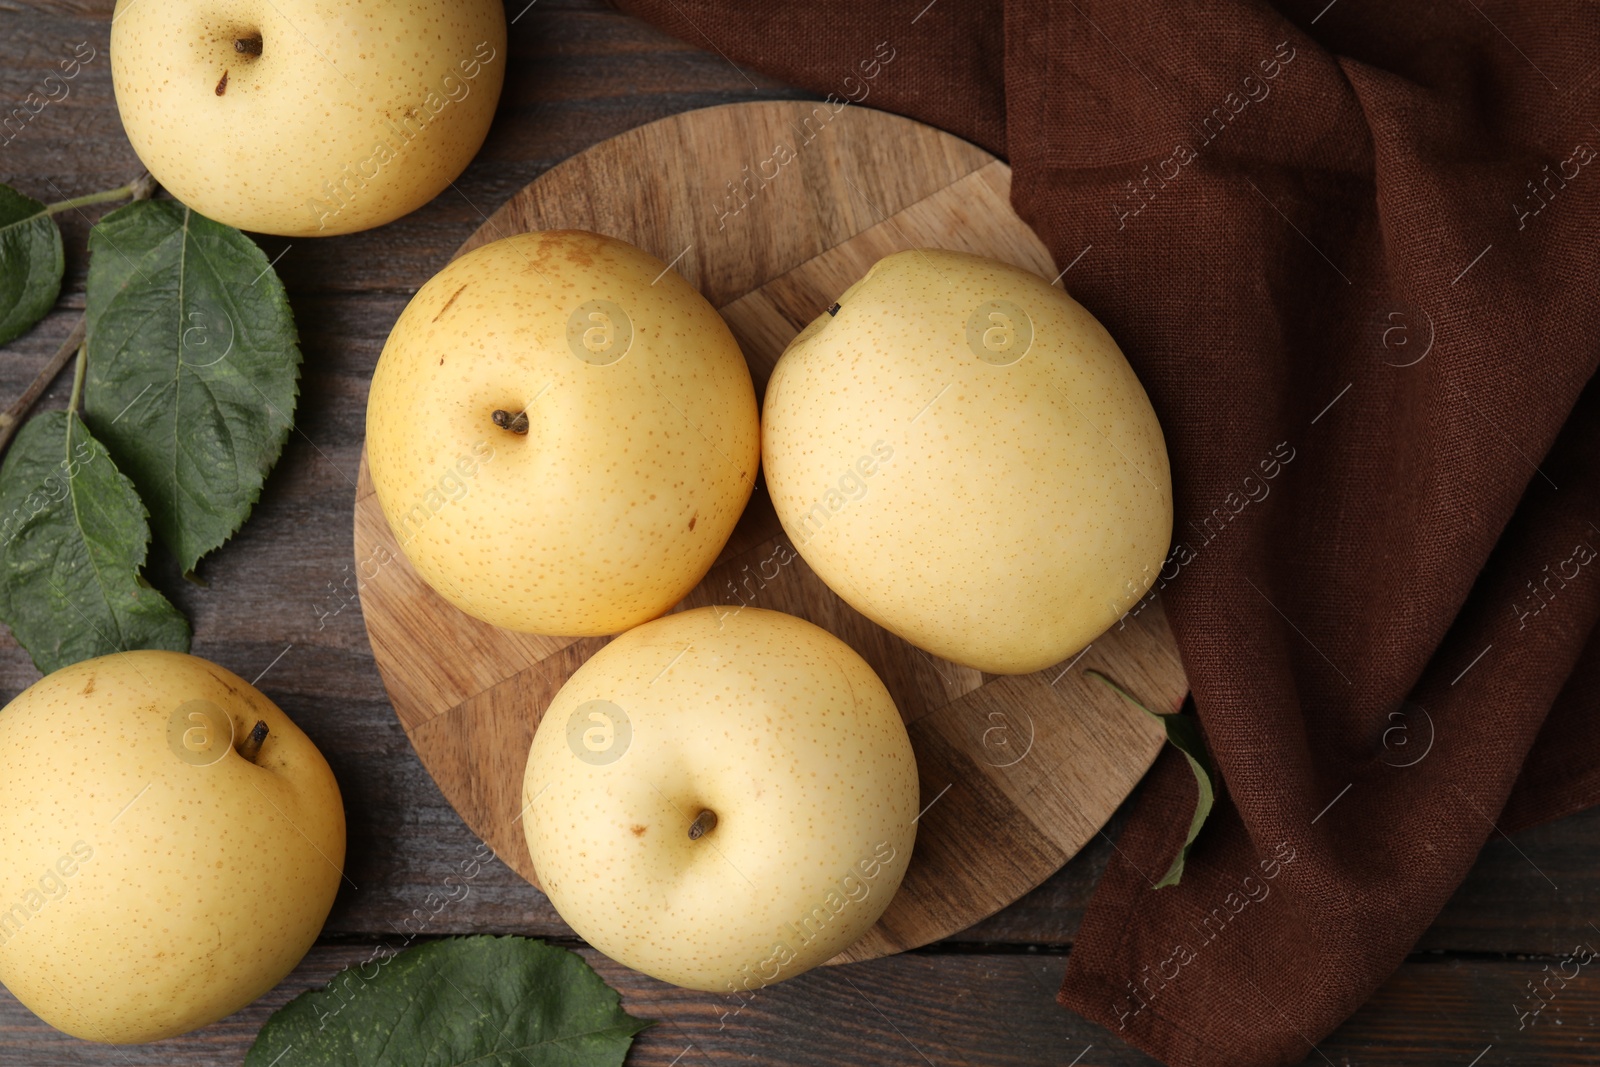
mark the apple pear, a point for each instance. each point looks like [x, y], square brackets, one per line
[306, 117]
[721, 799]
[963, 454]
[562, 434]
[170, 844]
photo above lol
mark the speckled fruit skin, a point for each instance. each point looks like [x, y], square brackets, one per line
[1000, 516]
[632, 474]
[352, 115]
[155, 895]
[775, 725]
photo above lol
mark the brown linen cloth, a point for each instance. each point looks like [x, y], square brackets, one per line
[1351, 249]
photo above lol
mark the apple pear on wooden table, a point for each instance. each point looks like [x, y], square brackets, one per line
[170, 845]
[306, 117]
[961, 451]
[562, 434]
[721, 799]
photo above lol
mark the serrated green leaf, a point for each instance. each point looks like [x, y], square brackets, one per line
[193, 367]
[31, 263]
[1183, 734]
[485, 1001]
[72, 539]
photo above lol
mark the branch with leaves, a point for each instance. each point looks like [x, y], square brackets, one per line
[186, 377]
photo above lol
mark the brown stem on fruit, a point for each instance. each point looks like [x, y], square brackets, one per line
[517, 423]
[833, 309]
[248, 46]
[703, 824]
[250, 747]
[222, 86]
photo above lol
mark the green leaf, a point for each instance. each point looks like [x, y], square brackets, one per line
[485, 1001]
[72, 539]
[193, 367]
[31, 263]
[1183, 734]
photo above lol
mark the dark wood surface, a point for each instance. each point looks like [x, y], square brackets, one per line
[580, 73]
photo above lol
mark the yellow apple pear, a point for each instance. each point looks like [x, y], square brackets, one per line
[721, 799]
[961, 452]
[307, 117]
[170, 844]
[562, 434]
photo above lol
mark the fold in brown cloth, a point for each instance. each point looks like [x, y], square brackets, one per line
[1352, 250]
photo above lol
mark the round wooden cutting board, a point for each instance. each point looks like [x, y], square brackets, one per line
[771, 210]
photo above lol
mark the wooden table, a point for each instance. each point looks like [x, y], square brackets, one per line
[579, 73]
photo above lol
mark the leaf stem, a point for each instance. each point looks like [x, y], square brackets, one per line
[77, 378]
[141, 188]
[11, 418]
[1123, 693]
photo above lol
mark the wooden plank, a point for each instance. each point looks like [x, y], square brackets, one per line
[915, 1009]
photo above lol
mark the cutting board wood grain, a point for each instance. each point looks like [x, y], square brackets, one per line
[771, 210]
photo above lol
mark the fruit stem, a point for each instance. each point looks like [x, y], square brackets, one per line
[250, 747]
[517, 423]
[703, 824]
[141, 188]
[248, 46]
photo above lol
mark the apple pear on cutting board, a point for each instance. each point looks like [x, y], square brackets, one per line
[721, 799]
[562, 434]
[963, 454]
[162, 864]
[306, 117]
